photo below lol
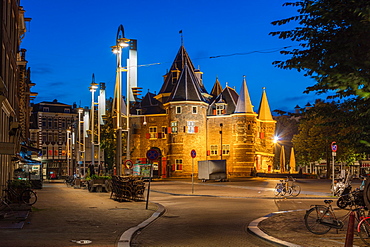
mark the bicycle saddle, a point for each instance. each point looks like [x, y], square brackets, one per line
[328, 201]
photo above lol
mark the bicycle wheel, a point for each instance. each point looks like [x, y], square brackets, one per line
[29, 197]
[277, 190]
[315, 216]
[295, 190]
[363, 229]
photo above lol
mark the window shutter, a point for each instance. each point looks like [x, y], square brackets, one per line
[169, 130]
[147, 135]
[180, 167]
[160, 135]
[262, 135]
[196, 129]
[184, 129]
[214, 111]
[173, 168]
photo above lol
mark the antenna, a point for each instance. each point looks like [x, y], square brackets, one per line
[182, 38]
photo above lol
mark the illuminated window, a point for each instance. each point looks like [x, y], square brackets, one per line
[214, 149]
[153, 132]
[174, 127]
[220, 109]
[225, 149]
[178, 165]
[191, 126]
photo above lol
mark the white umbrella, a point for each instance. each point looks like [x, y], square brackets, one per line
[282, 159]
[292, 161]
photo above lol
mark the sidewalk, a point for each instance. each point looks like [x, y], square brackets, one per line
[63, 216]
[288, 229]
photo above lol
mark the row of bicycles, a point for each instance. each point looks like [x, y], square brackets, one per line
[287, 187]
[319, 219]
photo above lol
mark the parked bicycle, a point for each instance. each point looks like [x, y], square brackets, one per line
[321, 218]
[23, 195]
[287, 186]
[363, 229]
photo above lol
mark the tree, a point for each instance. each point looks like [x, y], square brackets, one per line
[108, 138]
[345, 123]
[334, 47]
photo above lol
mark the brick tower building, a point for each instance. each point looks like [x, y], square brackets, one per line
[219, 125]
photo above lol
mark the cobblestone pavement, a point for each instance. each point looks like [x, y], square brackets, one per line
[63, 215]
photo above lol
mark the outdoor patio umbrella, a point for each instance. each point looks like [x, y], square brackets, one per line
[282, 159]
[292, 161]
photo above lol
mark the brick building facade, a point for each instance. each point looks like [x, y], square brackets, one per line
[218, 125]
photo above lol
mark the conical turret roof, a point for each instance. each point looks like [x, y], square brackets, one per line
[244, 104]
[187, 88]
[217, 88]
[264, 112]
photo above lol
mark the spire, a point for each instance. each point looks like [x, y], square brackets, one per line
[217, 88]
[264, 112]
[187, 87]
[244, 104]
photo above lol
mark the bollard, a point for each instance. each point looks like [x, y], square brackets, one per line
[350, 230]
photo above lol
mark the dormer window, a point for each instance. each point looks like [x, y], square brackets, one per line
[220, 109]
[45, 109]
[175, 75]
[67, 110]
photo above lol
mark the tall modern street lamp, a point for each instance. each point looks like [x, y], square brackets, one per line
[79, 160]
[93, 87]
[68, 151]
[121, 42]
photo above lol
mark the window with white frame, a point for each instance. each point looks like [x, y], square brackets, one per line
[178, 110]
[191, 126]
[178, 164]
[225, 149]
[220, 109]
[174, 127]
[195, 110]
[214, 149]
[152, 132]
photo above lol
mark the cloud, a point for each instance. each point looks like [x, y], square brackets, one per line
[41, 70]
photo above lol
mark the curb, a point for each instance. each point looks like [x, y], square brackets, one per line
[126, 237]
[253, 227]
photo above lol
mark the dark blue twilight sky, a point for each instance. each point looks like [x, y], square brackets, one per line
[67, 41]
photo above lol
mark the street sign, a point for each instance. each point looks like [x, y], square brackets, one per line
[193, 153]
[129, 164]
[334, 146]
[152, 154]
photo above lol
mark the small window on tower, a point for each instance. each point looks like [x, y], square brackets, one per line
[195, 109]
[178, 109]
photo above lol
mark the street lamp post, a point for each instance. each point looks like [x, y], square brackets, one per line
[92, 88]
[221, 138]
[80, 111]
[121, 42]
[68, 151]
